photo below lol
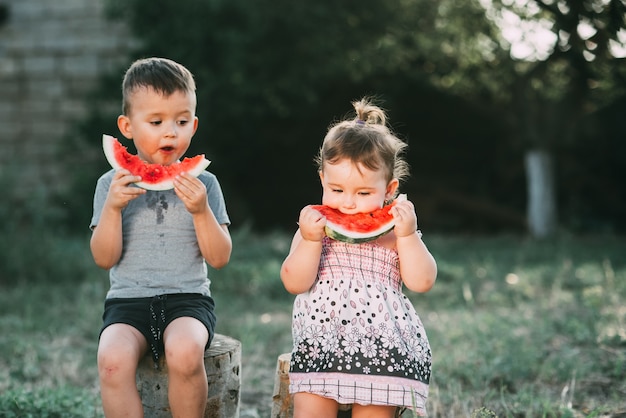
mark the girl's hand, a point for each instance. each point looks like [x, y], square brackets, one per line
[405, 218]
[311, 224]
[122, 191]
[192, 192]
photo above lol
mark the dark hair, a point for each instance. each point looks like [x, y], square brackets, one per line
[160, 74]
[367, 140]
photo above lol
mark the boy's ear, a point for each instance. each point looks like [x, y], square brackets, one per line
[392, 187]
[123, 124]
[195, 124]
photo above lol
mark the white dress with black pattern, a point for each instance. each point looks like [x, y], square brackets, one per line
[357, 337]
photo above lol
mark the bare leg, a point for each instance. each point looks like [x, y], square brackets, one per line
[307, 405]
[373, 411]
[185, 339]
[119, 351]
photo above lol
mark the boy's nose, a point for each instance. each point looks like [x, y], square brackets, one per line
[172, 130]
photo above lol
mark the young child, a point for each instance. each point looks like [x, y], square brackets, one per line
[357, 339]
[155, 244]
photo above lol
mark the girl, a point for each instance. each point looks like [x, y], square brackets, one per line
[357, 339]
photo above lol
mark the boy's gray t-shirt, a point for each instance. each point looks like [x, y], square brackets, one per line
[160, 250]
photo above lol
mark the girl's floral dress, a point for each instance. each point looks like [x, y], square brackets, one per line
[357, 337]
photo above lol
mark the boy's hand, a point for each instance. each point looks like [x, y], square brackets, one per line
[192, 192]
[405, 218]
[311, 224]
[121, 190]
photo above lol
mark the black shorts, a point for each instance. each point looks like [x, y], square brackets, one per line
[151, 316]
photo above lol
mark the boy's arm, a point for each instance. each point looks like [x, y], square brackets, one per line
[106, 239]
[213, 238]
[299, 270]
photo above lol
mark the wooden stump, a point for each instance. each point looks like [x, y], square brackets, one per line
[222, 361]
[282, 406]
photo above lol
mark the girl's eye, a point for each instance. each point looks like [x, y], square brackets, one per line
[155, 122]
[337, 190]
[182, 122]
[364, 193]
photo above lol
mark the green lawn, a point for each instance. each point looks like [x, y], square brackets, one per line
[518, 327]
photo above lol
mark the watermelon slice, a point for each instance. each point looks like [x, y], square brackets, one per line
[358, 227]
[153, 176]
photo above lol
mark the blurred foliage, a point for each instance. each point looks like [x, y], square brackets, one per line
[63, 402]
[272, 76]
[36, 245]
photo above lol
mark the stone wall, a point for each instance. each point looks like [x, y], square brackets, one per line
[51, 55]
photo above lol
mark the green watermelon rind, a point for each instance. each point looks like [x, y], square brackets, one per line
[333, 232]
[109, 144]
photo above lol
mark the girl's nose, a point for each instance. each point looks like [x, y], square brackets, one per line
[349, 202]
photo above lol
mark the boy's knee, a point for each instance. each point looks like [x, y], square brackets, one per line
[186, 357]
[108, 358]
[117, 360]
[113, 365]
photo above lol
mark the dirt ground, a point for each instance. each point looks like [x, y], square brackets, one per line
[255, 404]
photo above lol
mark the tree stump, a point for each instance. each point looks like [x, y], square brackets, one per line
[282, 406]
[222, 361]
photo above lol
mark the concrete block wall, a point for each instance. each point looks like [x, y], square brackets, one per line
[51, 55]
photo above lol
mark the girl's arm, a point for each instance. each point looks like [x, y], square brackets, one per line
[299, 270]
[213, 238]
[418, 268]
[106, 239]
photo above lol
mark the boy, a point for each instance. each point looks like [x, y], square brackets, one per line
[155, 245]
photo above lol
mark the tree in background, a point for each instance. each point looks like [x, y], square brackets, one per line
[549, 66]
[272, 75]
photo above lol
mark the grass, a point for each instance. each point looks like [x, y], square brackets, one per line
[518, 328]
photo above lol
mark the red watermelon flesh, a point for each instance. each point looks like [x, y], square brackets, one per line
[153, 176]
[358, 227]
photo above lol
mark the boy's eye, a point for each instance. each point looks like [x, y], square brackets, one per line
[155, 122]
[337, 190]
[364, 193]
[182, 122]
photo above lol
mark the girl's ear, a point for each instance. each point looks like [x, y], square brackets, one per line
[123, 124]
[392, 187]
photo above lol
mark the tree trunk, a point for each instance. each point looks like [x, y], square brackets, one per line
[541, 209]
